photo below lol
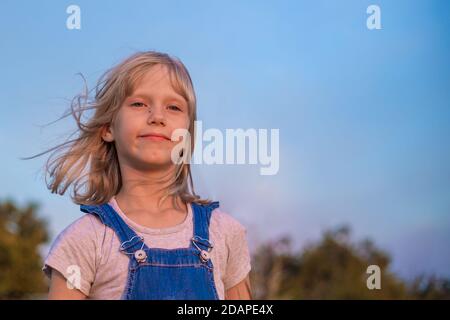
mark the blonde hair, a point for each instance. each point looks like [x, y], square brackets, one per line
[90, 154]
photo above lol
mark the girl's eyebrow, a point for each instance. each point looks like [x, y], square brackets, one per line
[169, 97]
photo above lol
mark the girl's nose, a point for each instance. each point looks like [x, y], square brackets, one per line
[156, 115]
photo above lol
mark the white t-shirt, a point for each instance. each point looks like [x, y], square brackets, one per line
[94, 248]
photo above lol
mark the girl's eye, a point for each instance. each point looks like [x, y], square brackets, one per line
[174, 107]
[139, 104]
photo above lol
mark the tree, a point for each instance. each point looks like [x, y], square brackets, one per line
[21, 234]
[430, 287]
[333, 268]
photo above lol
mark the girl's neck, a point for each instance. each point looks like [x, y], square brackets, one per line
[146, 213]
[142, 191]
[148, 203]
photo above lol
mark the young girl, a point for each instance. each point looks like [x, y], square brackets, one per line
[144, 234]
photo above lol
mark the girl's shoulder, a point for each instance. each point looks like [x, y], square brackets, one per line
[86, 226]
[77, 247]
[231, 235]
[87, 231]
[224, 222]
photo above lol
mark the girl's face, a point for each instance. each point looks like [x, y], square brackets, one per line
[154, 108]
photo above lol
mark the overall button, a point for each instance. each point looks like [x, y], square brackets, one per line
[204, 255]
[140, 255]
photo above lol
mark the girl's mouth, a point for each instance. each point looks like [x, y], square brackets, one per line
[155, 137]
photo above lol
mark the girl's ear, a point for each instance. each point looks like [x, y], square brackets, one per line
[107, 134]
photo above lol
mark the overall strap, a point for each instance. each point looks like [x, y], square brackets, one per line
[129, 239]
[202, 217]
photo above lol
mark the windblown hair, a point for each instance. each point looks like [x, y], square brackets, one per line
[93, 163]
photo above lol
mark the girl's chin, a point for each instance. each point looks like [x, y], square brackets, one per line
[155, 157]
[153, 161]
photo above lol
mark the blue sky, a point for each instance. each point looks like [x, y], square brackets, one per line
[364, 115]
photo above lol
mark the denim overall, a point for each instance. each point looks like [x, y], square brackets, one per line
[165, 274]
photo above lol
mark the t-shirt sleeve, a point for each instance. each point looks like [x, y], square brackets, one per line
[238, 261]
[74, 253]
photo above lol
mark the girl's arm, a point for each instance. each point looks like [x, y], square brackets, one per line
[241, 291]
[60, 291]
